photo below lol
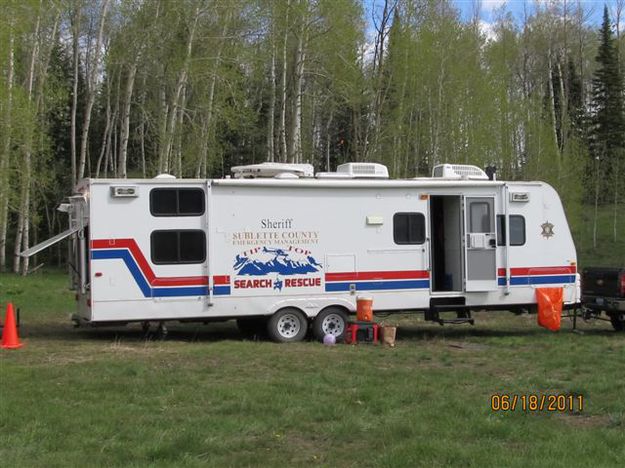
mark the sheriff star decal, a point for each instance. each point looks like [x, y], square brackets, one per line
[547, 230]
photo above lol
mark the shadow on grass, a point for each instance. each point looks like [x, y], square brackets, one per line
[417, 333]
[131, 332]
[225, 331]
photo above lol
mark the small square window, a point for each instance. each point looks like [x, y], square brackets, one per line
[177, 202]
[172, 247]
[517, 230]
[409, 228]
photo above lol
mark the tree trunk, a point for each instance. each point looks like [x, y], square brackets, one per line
[552, 115]
[91, 92]
[142, 125]
[328, 133]
[596, 214]
[378, 81]
[23, 217]
[283, 84]
[272, 102]
[295, 135]
[76, 14]
[200, 170]
[208, 120]
[43, 59]
[179, 134]
[163, 165]
[175, 101]
[107, 132]
[5, 157]
[125, 123]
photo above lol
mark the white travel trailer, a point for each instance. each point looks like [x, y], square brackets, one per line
[279, 246]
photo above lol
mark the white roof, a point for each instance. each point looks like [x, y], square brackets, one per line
[318, 183]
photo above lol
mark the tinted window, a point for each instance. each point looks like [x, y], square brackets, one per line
[191, 202]
[164, 202]
[170, 247]
[177, 202]
[517, 230]
[191, 246]
[409, 228]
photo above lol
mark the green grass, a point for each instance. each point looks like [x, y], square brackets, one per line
[93, 397]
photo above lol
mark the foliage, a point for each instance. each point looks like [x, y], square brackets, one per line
[196, 86]
[607, 134]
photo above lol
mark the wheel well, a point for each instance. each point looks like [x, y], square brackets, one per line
[289, 307]
[335, 306]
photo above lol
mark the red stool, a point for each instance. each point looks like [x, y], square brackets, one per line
[361, 332]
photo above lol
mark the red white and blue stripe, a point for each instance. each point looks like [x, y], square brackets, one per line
[530, 276]
[377, 280]
[151, 285]
[221, 285]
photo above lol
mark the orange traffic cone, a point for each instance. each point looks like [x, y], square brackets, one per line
[10, 339]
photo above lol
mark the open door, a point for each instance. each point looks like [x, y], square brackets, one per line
[481, 244]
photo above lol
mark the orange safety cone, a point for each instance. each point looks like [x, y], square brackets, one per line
[10, 339]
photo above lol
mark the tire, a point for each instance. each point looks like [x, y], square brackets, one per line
[618, 322]
[288, 325]
[333, 321]
[252, 328]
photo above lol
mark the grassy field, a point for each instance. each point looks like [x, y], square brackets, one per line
[93, 397]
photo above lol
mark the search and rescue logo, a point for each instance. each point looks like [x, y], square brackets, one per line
[272, 263]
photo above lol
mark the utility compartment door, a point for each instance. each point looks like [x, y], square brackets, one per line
[480, 244]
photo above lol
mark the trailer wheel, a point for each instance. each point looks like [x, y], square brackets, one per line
[330, 321]
[287, 325]
[618, 322]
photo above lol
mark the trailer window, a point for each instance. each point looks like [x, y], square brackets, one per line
[171, 247]
[409, 228]
[517, 230]
[177, 202]
[480, 217]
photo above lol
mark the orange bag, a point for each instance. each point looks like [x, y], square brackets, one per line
[549, 307]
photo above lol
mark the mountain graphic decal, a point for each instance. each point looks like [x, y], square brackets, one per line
[275, 260]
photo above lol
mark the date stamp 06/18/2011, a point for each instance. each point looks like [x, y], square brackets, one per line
[537, 402]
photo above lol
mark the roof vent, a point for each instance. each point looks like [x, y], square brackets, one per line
[165, 176]
[458, 171]
[285, 175]
[356, 170]
[271, 169]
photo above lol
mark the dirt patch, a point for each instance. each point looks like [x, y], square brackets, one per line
[583, 420]
[466, 346]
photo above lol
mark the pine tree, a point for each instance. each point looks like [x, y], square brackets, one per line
[608, 125]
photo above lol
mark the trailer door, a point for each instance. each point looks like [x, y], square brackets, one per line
[480, 244]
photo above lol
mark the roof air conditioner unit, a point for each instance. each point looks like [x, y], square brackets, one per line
[356, 170]
[458, 172]
[271, 169]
